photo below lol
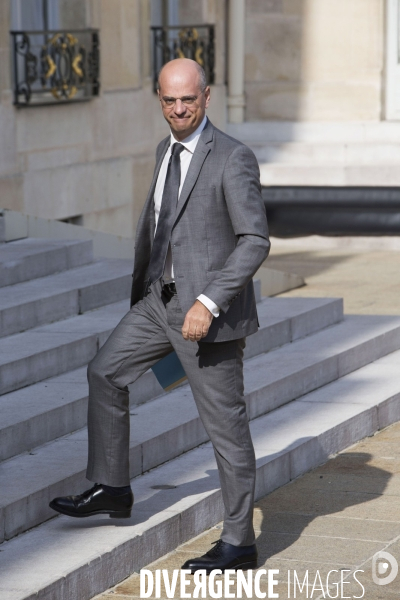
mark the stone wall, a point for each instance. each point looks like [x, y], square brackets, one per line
[314, 59]
[94, 159]
[306, 60]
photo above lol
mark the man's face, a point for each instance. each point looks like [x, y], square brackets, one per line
[183, 102]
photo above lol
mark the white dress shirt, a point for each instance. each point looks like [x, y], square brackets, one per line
[189, 144]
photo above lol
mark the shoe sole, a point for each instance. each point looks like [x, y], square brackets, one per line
[244, 566]
[113, 514]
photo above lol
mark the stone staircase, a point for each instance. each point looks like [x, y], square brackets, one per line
[315, 382]
[324, 153]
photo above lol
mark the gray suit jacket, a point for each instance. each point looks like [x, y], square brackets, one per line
[220, 234]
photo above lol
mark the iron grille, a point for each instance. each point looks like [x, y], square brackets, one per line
[53, 67]
[189, 41]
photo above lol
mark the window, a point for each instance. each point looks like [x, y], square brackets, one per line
[40, 15]
[55, 58]
[176, 34]
[164, 13]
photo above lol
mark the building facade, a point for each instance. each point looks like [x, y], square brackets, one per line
[312, 85]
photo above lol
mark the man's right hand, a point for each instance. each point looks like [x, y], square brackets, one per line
[197, 322]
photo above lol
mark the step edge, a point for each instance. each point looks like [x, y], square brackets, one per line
[157, 550]
[252, 415]
[22, 422]
[99, 334]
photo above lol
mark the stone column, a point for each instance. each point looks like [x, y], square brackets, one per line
[236, 102]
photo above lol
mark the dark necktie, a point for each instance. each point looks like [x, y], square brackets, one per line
[166, 216]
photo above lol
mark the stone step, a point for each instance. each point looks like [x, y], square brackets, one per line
[55, 297]
[353, 154]
[78, 558]
[39, 413]
[30, 258]
[50, 350]
[334, 153]
[328, 174]
[271, 380]
[315, 132]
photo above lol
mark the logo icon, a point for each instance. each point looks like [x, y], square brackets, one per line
[384, 568]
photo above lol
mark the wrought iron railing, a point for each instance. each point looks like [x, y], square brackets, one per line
[189, 41]
[53, 67]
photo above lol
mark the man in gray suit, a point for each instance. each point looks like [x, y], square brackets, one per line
[200, 238]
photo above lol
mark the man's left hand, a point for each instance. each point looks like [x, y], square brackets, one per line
[197, 322]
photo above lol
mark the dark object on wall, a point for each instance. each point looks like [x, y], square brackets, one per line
[184, 41]
[54, 67]
[299, 211]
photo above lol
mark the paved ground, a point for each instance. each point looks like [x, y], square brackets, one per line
[339, 515]
[369, 282]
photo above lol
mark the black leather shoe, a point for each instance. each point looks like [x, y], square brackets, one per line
[224, 556]
[95, 501]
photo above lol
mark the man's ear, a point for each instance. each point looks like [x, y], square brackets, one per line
[207, 95]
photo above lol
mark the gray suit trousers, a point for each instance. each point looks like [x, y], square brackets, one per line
[150, 330]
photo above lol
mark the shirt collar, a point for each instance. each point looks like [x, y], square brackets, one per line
[190, 142]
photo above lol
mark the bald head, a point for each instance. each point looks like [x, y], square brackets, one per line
[183, 68]
[184, 96]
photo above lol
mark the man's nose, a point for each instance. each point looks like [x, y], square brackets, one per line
[180, 108]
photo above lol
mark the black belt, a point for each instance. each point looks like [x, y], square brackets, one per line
[170, 288]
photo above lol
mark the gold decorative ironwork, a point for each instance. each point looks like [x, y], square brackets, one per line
[188, 34]
[69, 92]
[69, 66]
[192, 41]
[52, 67]
[78, 59]
[197, 56]
[72, 39]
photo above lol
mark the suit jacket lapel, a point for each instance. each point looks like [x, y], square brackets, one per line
[199, 156]
[146, 221]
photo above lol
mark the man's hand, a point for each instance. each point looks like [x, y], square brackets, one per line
[197, 322]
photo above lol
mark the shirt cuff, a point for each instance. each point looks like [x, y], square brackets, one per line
[212, 307]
